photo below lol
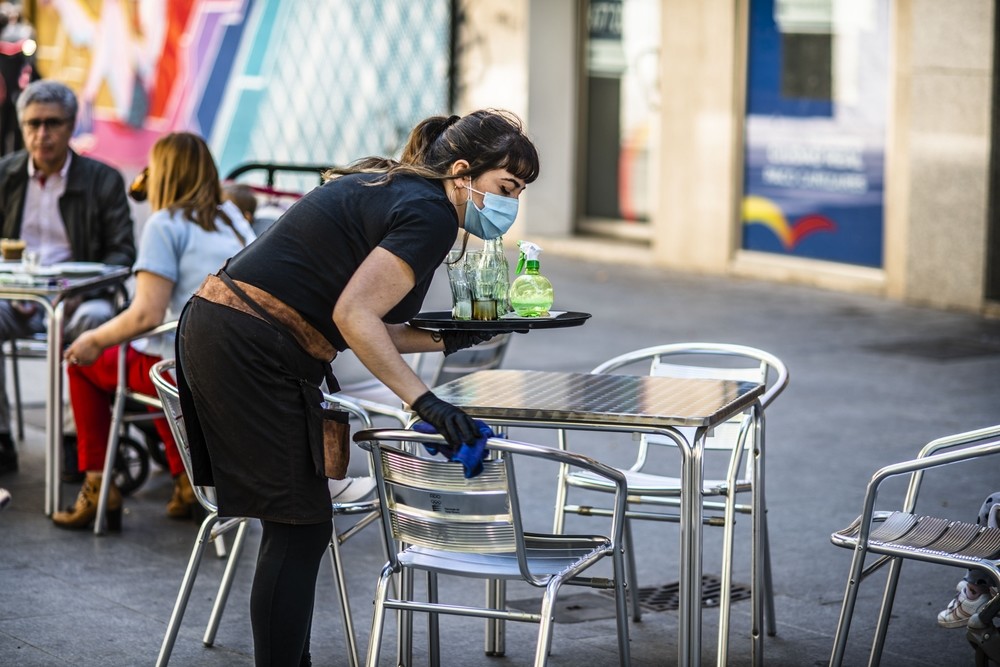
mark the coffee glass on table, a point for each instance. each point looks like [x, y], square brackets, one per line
[31, 261]
[12, 249]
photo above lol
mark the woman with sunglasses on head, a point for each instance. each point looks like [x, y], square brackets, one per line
[345, 267]
[190, 234]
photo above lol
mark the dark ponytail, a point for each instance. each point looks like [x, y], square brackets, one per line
[423, 136]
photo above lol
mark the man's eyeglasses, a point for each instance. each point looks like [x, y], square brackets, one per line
[47, 123]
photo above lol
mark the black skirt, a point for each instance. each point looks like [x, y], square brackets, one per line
[247, 417]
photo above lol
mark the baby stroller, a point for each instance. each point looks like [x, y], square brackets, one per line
[983, 635]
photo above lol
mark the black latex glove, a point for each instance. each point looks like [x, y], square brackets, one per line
[457, 427]
[460, 340]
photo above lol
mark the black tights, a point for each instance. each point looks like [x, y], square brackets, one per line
[284, 588]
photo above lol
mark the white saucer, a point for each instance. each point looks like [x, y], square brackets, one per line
[74, 269]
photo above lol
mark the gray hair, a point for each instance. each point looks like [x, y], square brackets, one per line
[45, 91]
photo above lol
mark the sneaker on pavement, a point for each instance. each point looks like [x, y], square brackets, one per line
[961, 609]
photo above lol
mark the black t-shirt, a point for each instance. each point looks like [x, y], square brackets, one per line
[308, 256]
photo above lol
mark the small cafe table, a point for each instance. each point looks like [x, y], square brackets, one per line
[50, 287]
[684, 410]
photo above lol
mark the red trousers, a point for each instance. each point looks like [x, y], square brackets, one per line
[92, 393]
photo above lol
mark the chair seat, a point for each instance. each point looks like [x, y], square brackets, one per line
[547, 556]
[648, 484]
[925, 538]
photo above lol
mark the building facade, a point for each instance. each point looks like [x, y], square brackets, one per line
[845, 144]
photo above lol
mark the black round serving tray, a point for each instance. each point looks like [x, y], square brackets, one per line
[442, 320]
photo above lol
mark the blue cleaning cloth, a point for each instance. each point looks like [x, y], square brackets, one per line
[470, 456]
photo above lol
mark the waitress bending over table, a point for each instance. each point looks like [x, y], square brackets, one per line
[345, 267]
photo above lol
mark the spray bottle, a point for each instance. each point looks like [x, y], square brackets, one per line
[531, 292]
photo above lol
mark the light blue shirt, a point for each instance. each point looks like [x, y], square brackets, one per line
[182, 252]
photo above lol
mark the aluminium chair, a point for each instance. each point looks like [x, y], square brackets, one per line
[450, 525]
[655, 496]
[356, 497]
[893, 536]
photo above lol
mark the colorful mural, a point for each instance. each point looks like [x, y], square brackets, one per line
[263, 80]
[140, 67]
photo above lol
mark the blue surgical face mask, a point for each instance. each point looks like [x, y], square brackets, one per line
[492, 220]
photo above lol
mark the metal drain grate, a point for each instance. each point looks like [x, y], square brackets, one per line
[596, 605]
[665, 597]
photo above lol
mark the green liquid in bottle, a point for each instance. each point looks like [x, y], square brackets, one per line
[531, 294]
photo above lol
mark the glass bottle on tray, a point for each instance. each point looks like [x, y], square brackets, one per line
[494, 248]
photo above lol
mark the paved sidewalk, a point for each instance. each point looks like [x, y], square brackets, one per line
[871, 382]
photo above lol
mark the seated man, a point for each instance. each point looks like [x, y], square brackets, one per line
[65, 206]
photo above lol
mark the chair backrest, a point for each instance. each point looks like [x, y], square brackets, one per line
[430, 503]
[739, 363]
[163, 376]
[716, 361]
[483, 357]
[164, 379]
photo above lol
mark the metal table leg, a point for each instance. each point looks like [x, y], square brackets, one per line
[757, 506]
[496, 598]
[692, 512]
[53, 404]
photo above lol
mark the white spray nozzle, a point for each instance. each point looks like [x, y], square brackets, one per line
[529, 252]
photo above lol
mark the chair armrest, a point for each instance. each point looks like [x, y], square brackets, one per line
[947, 442]
[155, 331]
[404, 417]
[916, 466]
[350, 405]
[959, 439]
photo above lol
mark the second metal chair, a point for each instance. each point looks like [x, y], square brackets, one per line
[652, 494]
[355, 499]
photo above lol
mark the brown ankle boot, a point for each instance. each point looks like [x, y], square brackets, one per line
[83, 512]
[182, 503]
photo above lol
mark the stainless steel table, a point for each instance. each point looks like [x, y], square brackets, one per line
[684, 410]
[51, 293]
